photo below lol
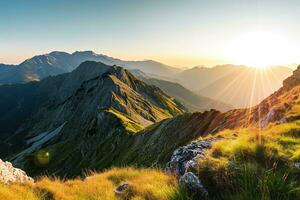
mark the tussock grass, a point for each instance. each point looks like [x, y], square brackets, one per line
[150, 184]
[256, 164]
[18, 192]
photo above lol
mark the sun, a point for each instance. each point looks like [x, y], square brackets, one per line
[261, 49]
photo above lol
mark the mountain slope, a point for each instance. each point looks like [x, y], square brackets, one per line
[190, 100]
[94, 100]
[255, 154]
[99, 121]
[155, 144]
[262, 151]
[56, 62]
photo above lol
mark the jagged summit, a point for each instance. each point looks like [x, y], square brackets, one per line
[95, 101]
[293, 80]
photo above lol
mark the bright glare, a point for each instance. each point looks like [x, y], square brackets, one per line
[261, 49]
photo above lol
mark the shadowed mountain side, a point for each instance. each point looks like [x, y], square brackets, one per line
[106, 147]
[94, 98]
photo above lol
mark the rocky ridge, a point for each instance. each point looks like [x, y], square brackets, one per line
[9, 174]
[185, 160]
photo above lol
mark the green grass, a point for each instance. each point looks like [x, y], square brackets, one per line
[252, 182]
[129, 124]
[254, 164]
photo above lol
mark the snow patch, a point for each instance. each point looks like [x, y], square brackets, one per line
[38, 141]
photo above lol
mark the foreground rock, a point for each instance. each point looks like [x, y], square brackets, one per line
[121, 189]
[191, 182]
[9, 174]
[185, 160]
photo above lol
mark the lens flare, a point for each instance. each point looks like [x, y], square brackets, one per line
[42, 158]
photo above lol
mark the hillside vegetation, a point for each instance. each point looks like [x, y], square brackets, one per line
[252, 163]
[143, 184]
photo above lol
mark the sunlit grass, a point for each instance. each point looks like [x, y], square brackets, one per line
[150, 184]
[17, 192]
[253, 163]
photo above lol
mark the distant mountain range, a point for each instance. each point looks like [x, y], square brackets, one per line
[56, 62]
[229, 84]
[241, 86]
[189, 99]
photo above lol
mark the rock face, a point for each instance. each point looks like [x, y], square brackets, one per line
[191, 181]
[9, 174]
[185, 159]
[273, 115]
[293, 80]
[276, 114]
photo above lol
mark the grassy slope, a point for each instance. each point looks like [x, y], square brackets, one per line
[144, 184]
[152, 146]
[252, 163]
[249, 163]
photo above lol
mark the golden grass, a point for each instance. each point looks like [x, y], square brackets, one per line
[252, 163]
[274, 142]
[149, 184]
[17, 192]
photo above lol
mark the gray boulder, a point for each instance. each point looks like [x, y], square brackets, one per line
[194, 185]
[186, 158]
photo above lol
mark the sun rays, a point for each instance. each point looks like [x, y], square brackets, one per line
[262, 48]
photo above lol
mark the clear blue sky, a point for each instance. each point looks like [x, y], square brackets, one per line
[177, 32]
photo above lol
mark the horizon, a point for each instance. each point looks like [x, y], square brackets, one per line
[179, 34]
[291, 66]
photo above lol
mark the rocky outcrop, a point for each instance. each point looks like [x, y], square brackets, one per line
[185, 160]
[275, 114]
[272, 116]
[293, 80]
[192, 182]
[9, 174]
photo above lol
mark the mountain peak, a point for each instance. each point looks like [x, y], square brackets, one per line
[293, 80]
[88, 52]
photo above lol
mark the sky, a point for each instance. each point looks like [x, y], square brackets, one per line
[179, 33]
